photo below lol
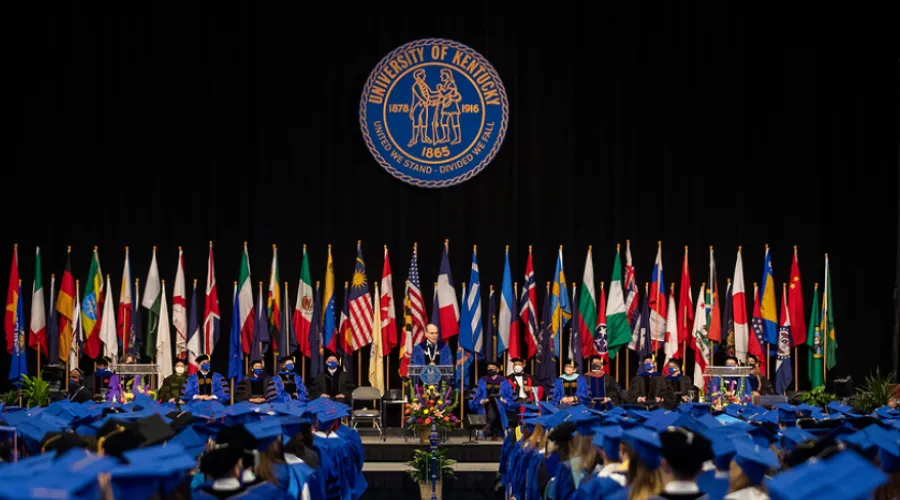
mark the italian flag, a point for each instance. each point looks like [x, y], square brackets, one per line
[38, 338]
[245, 302]
[151, 302]
[618, 332]
[587, 308]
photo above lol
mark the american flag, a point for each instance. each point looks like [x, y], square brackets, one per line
[360, 304]
[416, 303]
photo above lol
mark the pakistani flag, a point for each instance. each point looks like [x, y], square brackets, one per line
[618, 331]
[587, 307]
[151, 302]
[814, 342]
[827, 328]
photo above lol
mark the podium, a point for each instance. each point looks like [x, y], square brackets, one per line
[733, 372]
[145, 370]
[432, 374]
[429, 375]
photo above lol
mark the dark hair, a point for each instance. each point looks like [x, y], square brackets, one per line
[648, 356]
[753, 357]
[731, 358]
[255, 362]
[673, 361]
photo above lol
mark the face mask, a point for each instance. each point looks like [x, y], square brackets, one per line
[672, 370]
[205, 367]
[102, 372]
[648, 367]
[518, 369]
[257, 371]
[596, 368]
[492, 371]
[331, 364]
[74, 381]
[179, 370]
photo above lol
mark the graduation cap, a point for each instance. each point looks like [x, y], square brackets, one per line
[220, 460]
[645, 443]
[33, 431]
[786, 413]
[154, 429]
[180, 420]
[660, 421]
[549, 407]
[709, 422]
[264, 432]
[685, 449]
[861, 443]
[640, 415]
[562, 432]
[695, 409]
[192, 442]
[889, 455]
[763, 435]
[845, 475]
[609, 437]
[61, 442]
[73, 475]
[157, 469]
[887, 413]
[842, 409]
[754, 460]
[722, 448]
[794, 436]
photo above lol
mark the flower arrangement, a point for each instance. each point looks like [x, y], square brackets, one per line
[431, 405]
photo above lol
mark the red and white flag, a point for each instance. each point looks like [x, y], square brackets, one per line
[631, 289]
[672, 344]
[739, 309]
[123, 328]
[700, 341]
[795, 304]
[657, 302]
[388, 311]
[179, 310]
[416, 301]
[685, 316]
[528, 311]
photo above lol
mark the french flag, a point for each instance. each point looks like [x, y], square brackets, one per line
[447, 301]
[658, 302]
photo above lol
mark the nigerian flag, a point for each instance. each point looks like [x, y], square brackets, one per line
[151, 302]
[618, 332]
[814, 342]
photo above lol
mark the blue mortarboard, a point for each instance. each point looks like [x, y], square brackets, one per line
[836, 407]
[33, 431]
[291, 426]
[889, 455]
[845, 475]
[151, 470]
[73, 475]
[645, 443]
[786, 413]
[886, 412]
[762, 436]
[709, 422]
[695, 409]
[27, 467]
[192, 442]
[734, 410]
[283, 409]
[754, 460]
[862, 441]
[722, 448]
[549, 407]
[770, 417]
[608, 437]
[659, 421]
[264, 431]
[794, 436]
[639, 415]
[805, 410]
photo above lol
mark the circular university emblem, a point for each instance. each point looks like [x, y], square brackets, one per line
[434, 113]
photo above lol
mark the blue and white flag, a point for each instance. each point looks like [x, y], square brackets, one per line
[470, 334]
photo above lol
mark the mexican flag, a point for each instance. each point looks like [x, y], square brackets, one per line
[245, 302]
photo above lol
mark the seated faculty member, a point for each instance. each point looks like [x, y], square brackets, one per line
[333, 383]
[205, 384]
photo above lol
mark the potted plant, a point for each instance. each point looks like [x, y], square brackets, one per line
[431, 405]
[35, 392]
[876, 392]
[817, 397]
[420, 471]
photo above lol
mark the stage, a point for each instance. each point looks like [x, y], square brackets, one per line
[386, 471]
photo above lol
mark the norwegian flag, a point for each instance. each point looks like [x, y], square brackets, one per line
[528, 308]
[416, 302]
[361, 312]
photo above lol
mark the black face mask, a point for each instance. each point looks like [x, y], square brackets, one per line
[596, 368]
[492, 372]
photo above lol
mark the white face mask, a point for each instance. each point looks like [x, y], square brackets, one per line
[518, 369]
[179, 370]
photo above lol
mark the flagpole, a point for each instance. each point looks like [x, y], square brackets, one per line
[572, 347]
[825, 324]
[284, 328]
[627, 356]
[684, 315]
[515, 315]
[560, 291]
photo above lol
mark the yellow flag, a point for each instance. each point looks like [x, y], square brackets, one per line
[376, 360]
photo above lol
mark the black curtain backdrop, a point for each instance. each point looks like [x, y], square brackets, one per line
[175, 124]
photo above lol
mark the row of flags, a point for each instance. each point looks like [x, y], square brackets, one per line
[313, 325]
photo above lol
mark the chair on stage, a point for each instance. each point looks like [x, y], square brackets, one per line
[366, 414]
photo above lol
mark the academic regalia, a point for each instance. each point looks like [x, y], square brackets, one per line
[80, 393]
[523, 386]
[98, 383]
[681, 490]
[649, 385]
[251, 387]
[220, 489]
[493, 388]
[332, 384]
[534, 482]
[678, 386]
[127, 387]
[601, 385]
[749, 493]
[594, 486]
[425, 353]
[286, 386]
[172, 387]
[209, 384]
[714, 483]
[761, 385]
[571, 386]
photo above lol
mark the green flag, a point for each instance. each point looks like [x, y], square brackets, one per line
[828, 334]
[814, 343]
[152, 302]
[618, 333]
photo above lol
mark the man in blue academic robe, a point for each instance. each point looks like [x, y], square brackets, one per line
[287, 384]
[493, 398]
[433, 351]
[205, 384]
[570, 388]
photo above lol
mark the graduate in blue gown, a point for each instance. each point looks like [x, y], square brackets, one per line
[684, 453]
[570, 388]
[433, 351]
[287, 384]
[223, 466]
[205, 384]
[494, 398]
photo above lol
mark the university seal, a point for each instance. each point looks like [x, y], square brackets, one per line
[434, 113]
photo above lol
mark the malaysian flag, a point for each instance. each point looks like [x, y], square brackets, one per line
[416, 302]
[360, 304]
[528, 308]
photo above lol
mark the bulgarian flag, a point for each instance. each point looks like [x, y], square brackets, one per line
[587, 308]
[90, 308]
[245, 302]
[618, 330]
